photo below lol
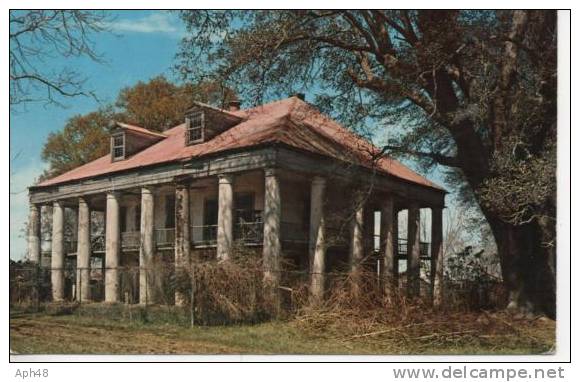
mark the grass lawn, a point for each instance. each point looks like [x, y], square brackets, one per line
[42, 333]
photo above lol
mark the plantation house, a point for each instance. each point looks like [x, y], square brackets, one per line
[280, 178]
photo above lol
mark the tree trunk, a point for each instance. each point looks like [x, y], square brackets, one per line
[528, 266]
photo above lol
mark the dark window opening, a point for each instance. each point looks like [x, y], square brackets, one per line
[138, 218]
[210, 220]
[170, 211]
[244, 208]
[123, 219]
[306, 212]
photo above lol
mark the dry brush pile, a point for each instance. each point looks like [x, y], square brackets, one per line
[356, 309]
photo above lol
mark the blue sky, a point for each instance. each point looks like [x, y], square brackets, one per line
[141, 45]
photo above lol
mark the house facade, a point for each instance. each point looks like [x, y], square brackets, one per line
[280, 178]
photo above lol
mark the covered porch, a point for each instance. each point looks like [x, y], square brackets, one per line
[315, 216]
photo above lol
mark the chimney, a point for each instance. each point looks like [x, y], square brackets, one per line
[234, 105]
[299, 95]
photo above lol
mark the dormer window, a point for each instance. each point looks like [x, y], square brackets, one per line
[195, 127]
[118, 146]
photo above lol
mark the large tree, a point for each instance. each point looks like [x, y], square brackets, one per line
[474, 90]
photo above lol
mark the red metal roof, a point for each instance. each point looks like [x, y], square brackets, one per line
[290, 121]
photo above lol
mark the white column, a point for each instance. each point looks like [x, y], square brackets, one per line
[182, 242]
[83, 251]
[437, 255]
[34, 234]
[57, 257]
[225, 217]
[147, 247]
[112, 248]
[356, 236]
[317, 245]
[272, 215]
[388, 246]
[413, 252]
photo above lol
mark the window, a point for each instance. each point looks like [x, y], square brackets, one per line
[169, 211]
[123, 219]
[118, 146]
[138, 218]
[210, 220]
[195, 127]
[244, 208]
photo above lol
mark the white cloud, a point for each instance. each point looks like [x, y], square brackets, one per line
[162, 22]
[20, 179]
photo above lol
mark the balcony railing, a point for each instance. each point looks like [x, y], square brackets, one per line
[402, 248]
[249, 232]
[165, 237]
[204, 235]
[98, 243]
[131, 240]
[70, 246]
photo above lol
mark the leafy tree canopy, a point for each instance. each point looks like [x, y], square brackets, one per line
[474, 91]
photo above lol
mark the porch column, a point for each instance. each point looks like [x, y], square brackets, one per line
[356, 243]
[182, 242]
[147, 247]
[225, 217]
[34, 234]
[57, 257]
[112, 248]
[83, 252]
[388, 247]
[437, 255]
[413, 252]
[317, 245]
[272, 215]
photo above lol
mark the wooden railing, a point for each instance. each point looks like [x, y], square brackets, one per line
[424, 251]
[98, 243]
[131, 240]
[423, 248]
[165, 237]
[204, 234]
[70, 246]
[249, 232]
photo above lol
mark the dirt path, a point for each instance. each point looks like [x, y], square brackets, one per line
[30, 335]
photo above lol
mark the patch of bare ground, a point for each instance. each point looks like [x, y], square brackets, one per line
[43, 333]
[320, 333]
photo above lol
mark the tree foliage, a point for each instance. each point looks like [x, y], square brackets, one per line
[83, 139]
[159, 104]
[475, 92]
